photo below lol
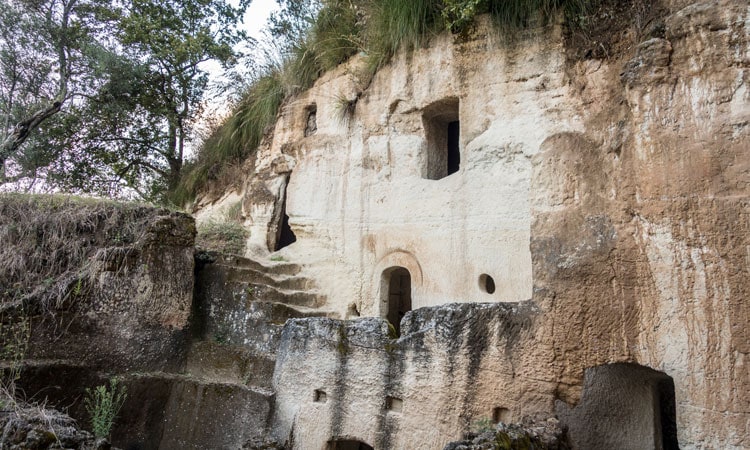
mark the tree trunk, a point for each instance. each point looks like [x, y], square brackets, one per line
[23, 130]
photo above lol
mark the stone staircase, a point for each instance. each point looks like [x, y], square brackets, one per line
[240, 307]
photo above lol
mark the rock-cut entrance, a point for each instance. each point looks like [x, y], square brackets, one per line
[348, 445]
[395, 288]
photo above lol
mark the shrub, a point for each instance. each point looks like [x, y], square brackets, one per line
[103, 404]
[14, 341]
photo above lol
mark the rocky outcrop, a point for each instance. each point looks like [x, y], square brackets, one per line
[605, 179]
[453, 365]
[100, 284]
[532, 434]
[27, 427]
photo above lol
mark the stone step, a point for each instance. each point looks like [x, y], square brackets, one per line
[269, 267]
[238, 274]
[265, 293]
[182, 412]
[213, 361]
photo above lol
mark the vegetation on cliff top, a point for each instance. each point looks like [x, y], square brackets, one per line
[315, 36]
[50, 243]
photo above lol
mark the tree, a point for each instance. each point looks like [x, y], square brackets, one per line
[41, 52]
[174, 38]
[122, 90]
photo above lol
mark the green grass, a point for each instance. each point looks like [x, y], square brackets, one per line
[103, 403]
[396, 24]
[514, 14]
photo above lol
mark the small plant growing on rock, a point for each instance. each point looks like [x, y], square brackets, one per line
[103, 403]
[482, 425]
[14, 341]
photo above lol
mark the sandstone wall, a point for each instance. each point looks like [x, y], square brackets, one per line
[611, 190]
[454, 365]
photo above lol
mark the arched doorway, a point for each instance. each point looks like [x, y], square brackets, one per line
[347, 444]
[395, 294]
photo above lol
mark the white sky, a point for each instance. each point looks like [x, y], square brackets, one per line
[256, 16]
[254, 22]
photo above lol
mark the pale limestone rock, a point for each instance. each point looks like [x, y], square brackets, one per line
[622, 182]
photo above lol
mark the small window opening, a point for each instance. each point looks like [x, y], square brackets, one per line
[285, 234]
[320, 396]
[500, 415]
[396, 295]
[311, 125]
[346, 444]
[442, 134]
[394, 404]
[487, 283]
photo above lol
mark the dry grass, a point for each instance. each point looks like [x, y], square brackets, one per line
[48, 244]
[227, 235]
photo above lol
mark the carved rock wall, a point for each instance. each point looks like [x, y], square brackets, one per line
[612, 192]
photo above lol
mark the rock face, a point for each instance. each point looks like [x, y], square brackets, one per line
[354, 380]
[610, 189]
[550, 226]
[94, 289]
[100, 284]
[26, 427]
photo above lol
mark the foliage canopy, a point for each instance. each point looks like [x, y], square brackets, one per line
[102, 97]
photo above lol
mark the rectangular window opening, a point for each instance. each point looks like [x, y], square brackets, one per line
[442, 130]
[320, 396]
[394, 404]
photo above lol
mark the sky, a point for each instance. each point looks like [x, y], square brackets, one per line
[254, 22]
[256, 15]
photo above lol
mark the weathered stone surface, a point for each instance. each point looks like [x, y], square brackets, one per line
[532, 434]
[117, 300]
[453, 365]
[618, 179]
[28, 427]
[128, 305]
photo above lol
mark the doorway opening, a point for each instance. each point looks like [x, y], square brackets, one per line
[395, 289]
[348, 444]
[624, 405]
[284, 234]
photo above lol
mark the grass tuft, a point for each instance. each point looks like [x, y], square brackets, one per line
[396, 24]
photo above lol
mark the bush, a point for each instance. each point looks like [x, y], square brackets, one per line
[103, 404]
